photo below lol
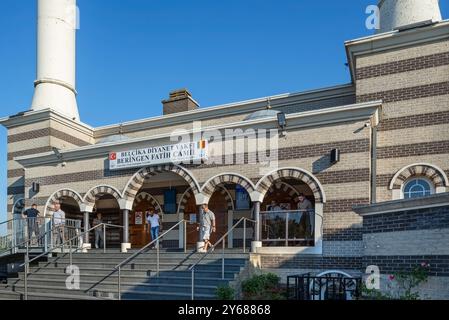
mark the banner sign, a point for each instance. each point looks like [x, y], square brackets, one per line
[175, 153]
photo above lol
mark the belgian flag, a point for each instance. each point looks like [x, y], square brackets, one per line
[202, 144]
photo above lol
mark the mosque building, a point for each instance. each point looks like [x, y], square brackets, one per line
[361, 153]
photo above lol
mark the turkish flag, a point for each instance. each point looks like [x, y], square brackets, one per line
[113, 156]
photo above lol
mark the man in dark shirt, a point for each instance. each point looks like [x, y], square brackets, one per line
[32, 216]
[307, 213]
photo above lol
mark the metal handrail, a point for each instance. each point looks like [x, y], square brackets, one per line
[7, 221]
[73, 238]
[119, 266]
[28, 261]
[22, 244]
[286, 211]
[192, 267]
[16, 246]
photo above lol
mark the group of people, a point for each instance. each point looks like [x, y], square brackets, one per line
[34, 221]
[302, 217]
[302, 204]
[153, 222]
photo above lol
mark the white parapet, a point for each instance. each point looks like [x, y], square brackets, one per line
[400, 13]
[56, 46]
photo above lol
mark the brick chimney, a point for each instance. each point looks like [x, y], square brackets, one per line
[179, 101]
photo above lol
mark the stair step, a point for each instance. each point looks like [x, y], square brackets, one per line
[136, 268]
[90, 287]
[143, 276]
[147, 261]
[11, 293]
[153, 255]
[47, 279]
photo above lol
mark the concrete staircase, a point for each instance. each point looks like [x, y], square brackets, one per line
[47, 279]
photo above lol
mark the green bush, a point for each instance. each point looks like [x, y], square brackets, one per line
[263, 287]
[225, 293]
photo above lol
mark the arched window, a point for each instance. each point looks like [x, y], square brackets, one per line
[416, 188]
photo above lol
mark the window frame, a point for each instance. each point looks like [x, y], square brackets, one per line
[415, 178]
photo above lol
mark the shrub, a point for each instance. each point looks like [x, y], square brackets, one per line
[263, 287]
[225, 293]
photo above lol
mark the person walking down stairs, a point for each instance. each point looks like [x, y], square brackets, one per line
[207, 226]
[99, 238]
[154, 225]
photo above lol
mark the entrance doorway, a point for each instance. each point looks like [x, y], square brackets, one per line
[191, 214]
[218, 204]
[110, 211]
[139, 232]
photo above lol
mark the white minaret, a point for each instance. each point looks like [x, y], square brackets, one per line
[399, 13]
[56, 37]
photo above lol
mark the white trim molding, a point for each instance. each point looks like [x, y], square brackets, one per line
[435, 175]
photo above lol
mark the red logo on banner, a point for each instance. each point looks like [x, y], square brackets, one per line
[113, 156]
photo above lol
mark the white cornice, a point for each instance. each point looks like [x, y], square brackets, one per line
[31, 117]
[247, 106]
[394, 40]
[363, 111]
[433, 201]
[277, 101]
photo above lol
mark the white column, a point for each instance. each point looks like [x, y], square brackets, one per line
[256, 216]
[86, 244]
[200, 243]
[56, 49]
[125, 244]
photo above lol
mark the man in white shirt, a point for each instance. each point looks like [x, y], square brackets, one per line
[58, 224]
[207, 226]
[153, 222]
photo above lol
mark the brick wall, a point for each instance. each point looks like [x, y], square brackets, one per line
[400, 235]
[413, 83]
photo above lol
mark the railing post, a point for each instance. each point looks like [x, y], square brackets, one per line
[27, 258]
[51, 231]
[62, 235]
[104, 238]
[70, 252]
[157, 254]
[223, 261]
[185, 236]
[193, 283]
[119, 283]
[286, 229]
[244, 235]
[14, 239]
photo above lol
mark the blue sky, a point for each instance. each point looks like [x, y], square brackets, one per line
[130, 56]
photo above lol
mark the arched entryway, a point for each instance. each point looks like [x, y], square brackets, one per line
[282, 221]
[71, 203]
[285, 221]
[188, 210]
[166, 184]
[105, 200]
[222, 205]
[228, 196]
[139, 234]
